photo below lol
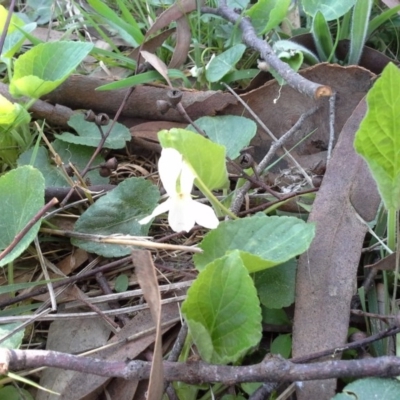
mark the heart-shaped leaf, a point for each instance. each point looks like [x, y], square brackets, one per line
[223, 312]
[44, 67]
[89, 134]
[206, 158]
[262, 241]
[118, 212]
[21, 197]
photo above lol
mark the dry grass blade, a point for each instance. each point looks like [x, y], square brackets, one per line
[147, 278]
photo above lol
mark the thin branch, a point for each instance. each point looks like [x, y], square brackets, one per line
[28, 227]
[332, 113]
[126, 240]
[249, 37]
[101, 143]
[354, 345]
[269, 133]
[273, 369]
[237, 202]
[80, 276]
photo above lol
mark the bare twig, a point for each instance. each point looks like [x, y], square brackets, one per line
[28, 227]
[237, 202]
[274, 369]
[101, 143]
[264, 391]
[68, 281]
[126, 240]
[105, 287]
[332, 113]
[269, 133]
[348, 346]
[293, 79]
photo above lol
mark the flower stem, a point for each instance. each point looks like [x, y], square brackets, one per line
[213, 200]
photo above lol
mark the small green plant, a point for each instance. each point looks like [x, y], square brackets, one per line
[34, 74]
[352, 22]
[223, 309]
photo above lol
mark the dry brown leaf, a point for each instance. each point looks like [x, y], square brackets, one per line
[157, 64]
[153, 44]
[327, 272]
[73, 336]
[73, 261]
[280, 107]
[176, 13]
[149, 130]
[183, 40]
[387, 263]
[146, 275]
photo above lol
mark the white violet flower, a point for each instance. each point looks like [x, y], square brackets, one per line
[177, 178]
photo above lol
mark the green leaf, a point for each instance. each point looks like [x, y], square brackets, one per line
[43, 68]
[13, 342]
[250, 387]
[206, 158]
[140, 79]
[121, 283]
[275, 316]
[268, 14]
[131, 33]
[89, 134]
[10, 392]
[11, 114]
[42, 11]
[294, 58]
[322, 37]
[275, 286]
[232, 131]
[118, 212]
[378, 139]
[331, 9]
[78, 155]
[381, 18]
[358, 29]
[21, 197]
[282, 345]
[14, 38]
[223, 312]
[237, 3]
[262, 241]
[291, 47]
[370, 389]
[225, 62]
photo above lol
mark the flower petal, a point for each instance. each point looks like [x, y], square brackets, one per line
[160, 209]
[181, 216]
[187, 178]
[169, 169]
[204, 215]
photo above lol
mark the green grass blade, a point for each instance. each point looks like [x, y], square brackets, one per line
[30, 382]
[146, 77]
[358, 30]
[124, 29]
[381, 18]
[128, 17]
[322, 37]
